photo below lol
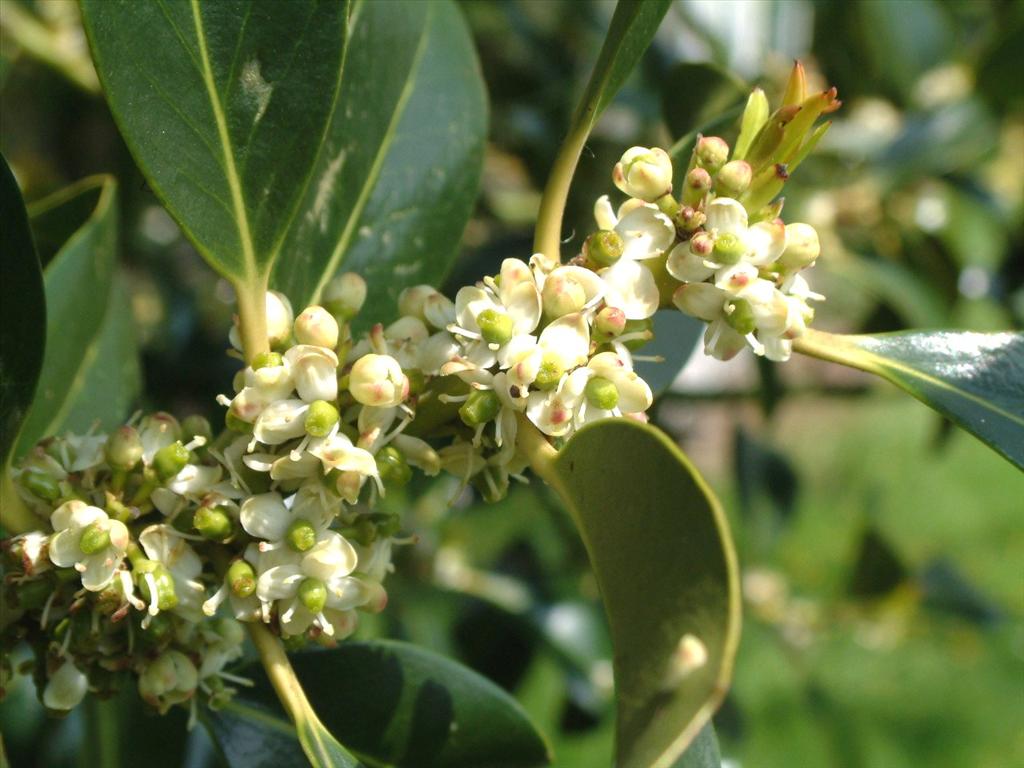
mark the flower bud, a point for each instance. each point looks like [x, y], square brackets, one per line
[279, 319]
[689, 219]
[66, 688]
[802, 247]
[196, 426]
[213, 523]
[601, 393]
[412, 301]
[313, 594]
[378, 380]
[698, 182]
[393, 468]
[482, 406]
[702, 244]
[344, 296]
[29, 552]
[711, 153]
[755, 115]
[644, 173]
[495, 326]
[603, 248]
[40, 483]
[734, 179]
[241, 578]
[315, 372]
[123, 449]
[170, 679]
[320, 418]
[316, 326]
[170, 460]
[609, 324]
[562, 295]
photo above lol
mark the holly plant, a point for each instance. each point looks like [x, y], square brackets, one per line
[324, 158]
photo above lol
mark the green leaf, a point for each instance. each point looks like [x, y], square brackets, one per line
[703, 752]
[78, 299]
[22, 313]
[631, 30]
[224, 106]
[974, 379]
[390, 703]
[396, 180]
[661, 550]
[699, 97]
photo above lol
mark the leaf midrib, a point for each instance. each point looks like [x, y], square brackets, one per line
[378, 161]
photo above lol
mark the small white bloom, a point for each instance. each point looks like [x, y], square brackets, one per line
[314, 371]
[87, 539]
[644, 173]
[281, 421]
[66, 688]
[378, 380]
[163, 544]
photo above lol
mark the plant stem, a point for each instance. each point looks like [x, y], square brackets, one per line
[281, 675]
[15, 517]
[252, 317]
[538, 450]
[547, 237]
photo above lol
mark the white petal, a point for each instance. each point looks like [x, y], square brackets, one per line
[315, 372]
[726, 215]
[524, 306]
[265, 516]
[64, 550]
[767, 241]
[686, 266]
[99, 569]
[330, 558]
[646, 232]
[282, 421]
[279, 582]
[470, 301]
[634, 393]
[162, 543]
[66, 688]
[701, 300]
[550, 413]
[295, 617]
[567, 338]
[631, 287]
[603, 214]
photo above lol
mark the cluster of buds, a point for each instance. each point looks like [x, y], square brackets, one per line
[720, 252]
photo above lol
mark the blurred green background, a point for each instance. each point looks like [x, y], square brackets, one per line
[882, 550]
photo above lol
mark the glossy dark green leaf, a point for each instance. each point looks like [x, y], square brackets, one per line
[661, 550]
[703, 752]
[22, 313]
[392, 704]
[78, 290]
[224, 106]
[631, 30]
[974, 379]
[675, 337]
[696, 97]
[397, 176]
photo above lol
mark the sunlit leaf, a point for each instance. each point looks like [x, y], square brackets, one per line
[397, 176]
[224, 106]
[390, 703]
[22, 313]
[974, 379]
[661, 550]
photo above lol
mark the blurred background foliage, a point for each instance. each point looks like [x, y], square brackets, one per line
[881, 548]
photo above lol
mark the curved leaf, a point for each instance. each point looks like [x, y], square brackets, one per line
[224, 106]
[22, 313]
[390, 703]
[974, 379]
[661, 550]
[395, 182]
[78, 288]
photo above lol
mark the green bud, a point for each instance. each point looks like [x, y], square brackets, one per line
[734, 179]
[124, 448]
[550, 372]
[755, 115]
[235, 424]
[94, 539]
[609, 324]
[740, 316]
[711, 153]
[495, 326]
[166, 597]
[170, 460]
[313, 594]
[603, 248]
[40, 483]
[393, 468]
[196, 426]
[729, 248]
[301, 535]
[266, 360]
[241, 578]
[362, 531]
[320, 417]
[482, 406]
[601, 393]
[213, 523]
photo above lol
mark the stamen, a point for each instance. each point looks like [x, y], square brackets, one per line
[196, 442]
[325, 625]
[755, 345]
[154, 600]
[453, 328]
[210, 606]
[46, 610]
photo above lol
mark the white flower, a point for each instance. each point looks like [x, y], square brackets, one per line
[66, 688]
[644, 173]
[759, 245]
[163, 544]
[87, 539]
[266, 516]
[646, 232]
[630, 286]
[155, 432]
[563, 345]
[314, 371]
[281, 421]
